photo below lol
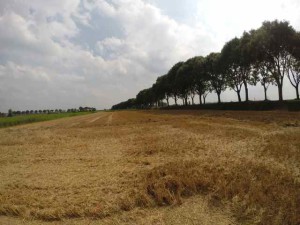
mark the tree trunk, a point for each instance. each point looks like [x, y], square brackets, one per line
[204, 99]
[193, 99]
[200, 99]
[182, 101]
[265, 90]
[280, 92]
[297, 92]
[186, 101]
[168, 101]
[246, 91]
[239, 95]
[175, 98]
[219, 97]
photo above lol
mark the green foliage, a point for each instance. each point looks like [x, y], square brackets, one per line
[217, 77]
[231, 56]
[175, 86]
[129, 104]
[294, 75]
[185, 80]
[145, 98]
[273, 43]
[265, 55]
[200, 77]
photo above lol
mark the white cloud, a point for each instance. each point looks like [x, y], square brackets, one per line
[152, 39]
[226, 19]
[41, 66]
[39, 39]
[102, 6]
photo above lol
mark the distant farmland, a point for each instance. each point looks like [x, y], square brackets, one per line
[153, 167]
[32, 118]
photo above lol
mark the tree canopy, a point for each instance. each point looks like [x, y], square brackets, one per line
[266, 56]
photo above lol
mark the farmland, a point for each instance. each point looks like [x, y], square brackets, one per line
[32, 118]
[153, 167]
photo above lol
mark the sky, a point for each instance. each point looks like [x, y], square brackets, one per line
[70, 53]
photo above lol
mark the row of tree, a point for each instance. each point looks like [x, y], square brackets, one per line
[48, 111]
[264, 56]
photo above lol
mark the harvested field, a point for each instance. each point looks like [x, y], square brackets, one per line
[153, 167]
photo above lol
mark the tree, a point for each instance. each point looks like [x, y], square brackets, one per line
[247, 62]
[145, 98]
[294, 72]
[217, 77]
[193, 92]
[260, 70]
[273, 43]
[162, 88]
[294, 75]
[166, 87]
[265, 55]
[158, 89]
[231, 59]
[202, 84]
[175, 86]
[184, 80]
[10, 113]
[239, 64]
[130, 103]
[265, 78]
[199, 78]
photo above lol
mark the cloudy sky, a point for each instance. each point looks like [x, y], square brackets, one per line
[71, 53]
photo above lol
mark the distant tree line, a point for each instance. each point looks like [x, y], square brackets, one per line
[86, 109]
[264, 56]
[47, 111]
